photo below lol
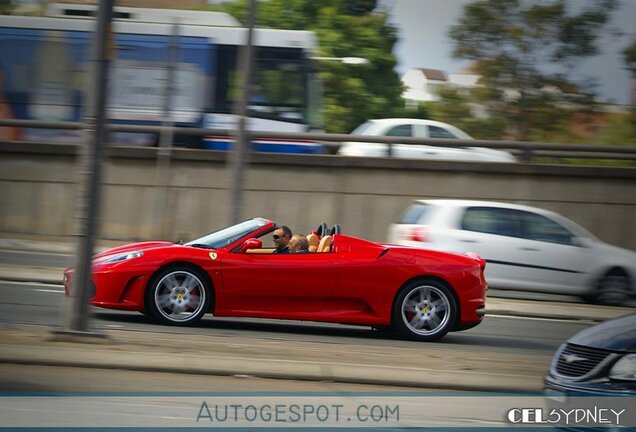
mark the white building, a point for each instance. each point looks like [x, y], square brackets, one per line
[421, 85]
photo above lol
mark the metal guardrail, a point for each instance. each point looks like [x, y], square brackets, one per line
[525, 151]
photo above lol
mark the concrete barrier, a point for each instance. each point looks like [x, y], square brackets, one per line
[189, 195]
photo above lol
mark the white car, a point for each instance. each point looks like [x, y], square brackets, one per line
[525, 248]
[418, 128]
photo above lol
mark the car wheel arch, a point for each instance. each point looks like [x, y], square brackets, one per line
[423, 279]
[182, 265]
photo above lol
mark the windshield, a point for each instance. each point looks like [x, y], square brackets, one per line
[363, 129]
[229, 235]
[577, 229]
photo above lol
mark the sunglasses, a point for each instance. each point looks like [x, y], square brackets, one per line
[276, 237]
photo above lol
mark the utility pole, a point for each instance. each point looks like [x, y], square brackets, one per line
[242, 140]
[164, 211]
[90, 171]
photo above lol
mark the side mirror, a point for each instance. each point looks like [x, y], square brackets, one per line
[251, 243]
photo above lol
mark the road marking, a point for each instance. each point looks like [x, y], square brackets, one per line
[35, 252]
[539, 318]
[31, 284]
[49, 291]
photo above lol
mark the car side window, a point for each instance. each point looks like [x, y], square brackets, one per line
[491, 220]
[438, 132]
[400, 131]
[540, 228]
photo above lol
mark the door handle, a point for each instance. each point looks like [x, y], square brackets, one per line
[528, 249]
[468, 241]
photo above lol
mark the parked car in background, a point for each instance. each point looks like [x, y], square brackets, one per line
[598, 360]
[418, 128]
[526, 248]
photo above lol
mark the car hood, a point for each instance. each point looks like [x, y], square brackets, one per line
[615, 335]
[131, 248]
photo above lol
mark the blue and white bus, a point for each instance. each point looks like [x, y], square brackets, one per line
[45, 72]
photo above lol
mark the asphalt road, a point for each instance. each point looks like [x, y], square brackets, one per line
[40, 304]
[37, 259]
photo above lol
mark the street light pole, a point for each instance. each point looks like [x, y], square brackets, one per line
[164, 197]
[90, 171]
[242, 139]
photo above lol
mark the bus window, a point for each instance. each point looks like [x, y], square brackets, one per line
[280, 85]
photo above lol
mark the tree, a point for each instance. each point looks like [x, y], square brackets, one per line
[525, 52]
[344, 28]
[630, 60]
[5, 6]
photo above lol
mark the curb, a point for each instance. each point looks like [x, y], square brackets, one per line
[269, 368]
[539, 315]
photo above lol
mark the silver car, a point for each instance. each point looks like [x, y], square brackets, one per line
[526, 248]
[418, 128]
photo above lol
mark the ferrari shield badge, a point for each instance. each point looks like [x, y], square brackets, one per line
[213, 255]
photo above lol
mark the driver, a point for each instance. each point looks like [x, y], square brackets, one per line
[282, 235]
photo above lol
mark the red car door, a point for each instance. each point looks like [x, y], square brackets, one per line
[280, 284]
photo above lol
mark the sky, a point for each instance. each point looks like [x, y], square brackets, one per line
[423, 27]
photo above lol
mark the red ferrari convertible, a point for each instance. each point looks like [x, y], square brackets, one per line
[423, 294]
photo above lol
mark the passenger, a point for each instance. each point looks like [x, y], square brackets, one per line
[282, 235]
[298, 244]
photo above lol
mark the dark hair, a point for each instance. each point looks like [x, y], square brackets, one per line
[286, 230]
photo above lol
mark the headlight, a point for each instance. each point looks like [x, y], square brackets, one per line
[123, 257]
[624, 369]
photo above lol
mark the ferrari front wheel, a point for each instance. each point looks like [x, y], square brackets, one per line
[424, 310]
[178, 295]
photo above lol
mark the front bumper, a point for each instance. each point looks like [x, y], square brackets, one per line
[113, 288]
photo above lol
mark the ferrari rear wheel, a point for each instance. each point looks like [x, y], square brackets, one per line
[178, 296]
[424, 310]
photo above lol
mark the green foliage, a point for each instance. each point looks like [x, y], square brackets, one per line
[5, 6]
[621, 130]
[422, 111]
[345, 28]
[511, 42]
[455, 107]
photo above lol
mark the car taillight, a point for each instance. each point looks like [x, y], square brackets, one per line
[417, 234]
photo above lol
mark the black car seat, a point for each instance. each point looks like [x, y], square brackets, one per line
[321, 230]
